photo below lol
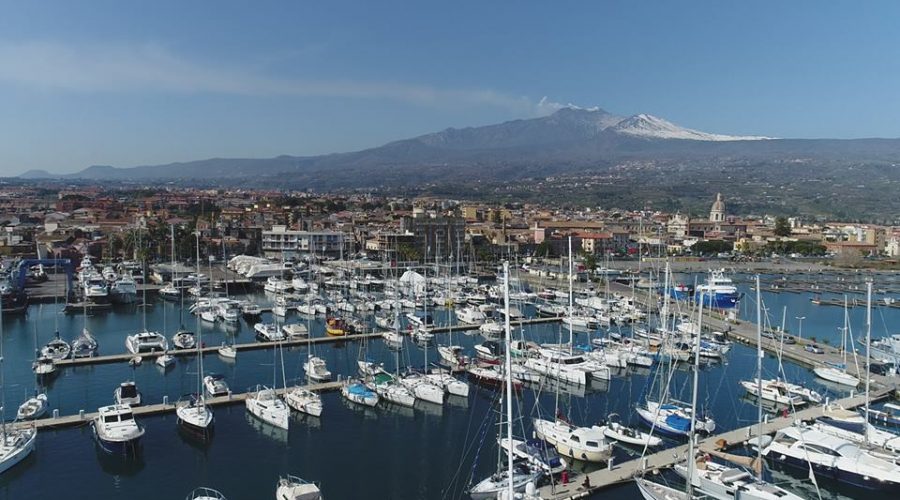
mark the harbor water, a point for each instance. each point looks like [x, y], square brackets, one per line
[429, 451]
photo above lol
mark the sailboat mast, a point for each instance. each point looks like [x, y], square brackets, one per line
[199, 330]
[759, 355]
[2, 382]
[690, 465]
[868, 354]
[571, 298]
[509, 425]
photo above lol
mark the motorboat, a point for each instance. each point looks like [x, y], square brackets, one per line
[215, 385]
[295, 330]
[336, 327]
[453, 356]
[852, 426]
[728, 482]
[33, 408]
[316, 369]
[615, 431]
[304, 401]
[264, 404]
[357, 392]
[116, 430]
[165, 361]
[587, 444]
[833, 458]
[127, 394]
[471, 315]
[293, 488]
[184, 339]
[146, 342]
[489, 352]
[268, 332]
[491, 330]
[123, 290]
[227, 351]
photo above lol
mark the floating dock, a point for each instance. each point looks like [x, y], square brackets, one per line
[160, 408]
[151, 356]
[650, 464]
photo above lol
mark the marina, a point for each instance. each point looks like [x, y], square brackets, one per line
[438, 324]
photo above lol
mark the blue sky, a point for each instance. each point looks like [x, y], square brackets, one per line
[128, 83]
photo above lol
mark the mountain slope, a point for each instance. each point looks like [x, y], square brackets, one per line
[569, 140]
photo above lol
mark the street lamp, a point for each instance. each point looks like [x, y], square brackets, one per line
[800, 329]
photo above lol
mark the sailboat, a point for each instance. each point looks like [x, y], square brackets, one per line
[193, 414]
[727, 482]
[301, 398]
[170, 291]
[85, 346]
[837, 372]
[264, 403]
[588, 444]
[15, 443]
[673, 418]
[514, 477]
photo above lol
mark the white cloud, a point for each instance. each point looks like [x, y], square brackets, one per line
[546, 107]
[151, 67]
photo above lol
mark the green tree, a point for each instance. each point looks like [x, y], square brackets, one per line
[782, 227]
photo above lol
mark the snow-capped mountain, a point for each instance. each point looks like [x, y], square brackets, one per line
[643, 125]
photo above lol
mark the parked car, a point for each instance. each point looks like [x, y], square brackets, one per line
[814, 348]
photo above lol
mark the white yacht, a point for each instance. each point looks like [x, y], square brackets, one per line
[268, 332]
[264, 404]
[837, 373]
[116, 429]
[422, 388]
[215, 385]
[127, 394]
[295, 330]
[316, 369]
[294, 488]
[725, 482]
[146, 342]
[123, 291]
[833, 458]
[471, 315]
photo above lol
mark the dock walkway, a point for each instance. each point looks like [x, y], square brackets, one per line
[151, 356]
[624, 472]
[159, 408]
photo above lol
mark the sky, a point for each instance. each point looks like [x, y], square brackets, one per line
[128, 83]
